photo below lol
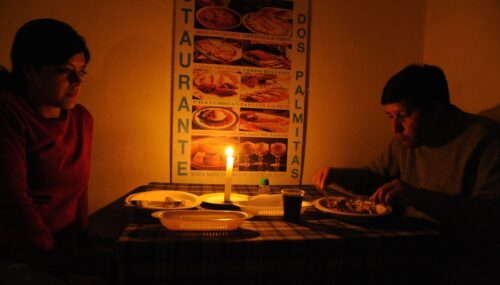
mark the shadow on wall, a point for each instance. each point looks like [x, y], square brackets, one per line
[492, 113]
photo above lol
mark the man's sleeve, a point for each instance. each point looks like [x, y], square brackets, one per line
[366, 180]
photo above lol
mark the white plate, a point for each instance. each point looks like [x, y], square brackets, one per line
[320, 204]
[266, 205]
[218, 198]
[202, 220]
[149, 197]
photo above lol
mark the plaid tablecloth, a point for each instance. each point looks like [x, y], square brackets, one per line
[270, 250]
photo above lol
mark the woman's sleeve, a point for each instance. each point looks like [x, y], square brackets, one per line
[25, 236]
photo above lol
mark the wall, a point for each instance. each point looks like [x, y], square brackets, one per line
[463, 37]
[356, 45]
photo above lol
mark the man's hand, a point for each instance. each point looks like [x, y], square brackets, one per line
[321, 178]
[391, 191]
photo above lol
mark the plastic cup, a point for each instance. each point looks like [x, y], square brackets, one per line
[292, 204]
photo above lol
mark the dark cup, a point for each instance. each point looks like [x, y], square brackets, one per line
[292, 204]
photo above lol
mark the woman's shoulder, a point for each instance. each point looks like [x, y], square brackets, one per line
[81, 110]
[82, 113]
[9, 102]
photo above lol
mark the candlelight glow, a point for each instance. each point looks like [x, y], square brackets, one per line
[229, 151]
[229, 174]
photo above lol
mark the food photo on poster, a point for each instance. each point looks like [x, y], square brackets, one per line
[217, 50]
[264, 87]
[214, 118]
[274, 18]
[215, 84]
[260, 120]
[209, 153]
[262, 154]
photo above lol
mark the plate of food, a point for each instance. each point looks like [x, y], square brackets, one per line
[253, 121]
[269, 21]
[163, 200]
[218, 18]
[218, 50]
[215, 118]
[215, 84]
[210, 153]
[352, 210]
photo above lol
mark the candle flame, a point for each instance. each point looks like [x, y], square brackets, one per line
[229, 151]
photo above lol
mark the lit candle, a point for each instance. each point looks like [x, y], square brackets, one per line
[229, 174]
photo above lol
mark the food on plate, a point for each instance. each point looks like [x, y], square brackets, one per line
[218, 50]
[258, 80]
[266, 95]
[269, 21]
[266, 59]
[208, 158]
[210, 153]
[214, 118]
[257, 122]
[169, 202]
[356, 206]
[219, 18]
[221, 84]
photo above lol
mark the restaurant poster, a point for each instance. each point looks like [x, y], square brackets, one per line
[239, 79]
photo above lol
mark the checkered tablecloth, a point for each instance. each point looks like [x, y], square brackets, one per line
[270, 250]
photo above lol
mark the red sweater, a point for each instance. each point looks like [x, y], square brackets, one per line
[44, 172]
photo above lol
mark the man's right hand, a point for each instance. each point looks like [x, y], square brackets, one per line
[321, 178]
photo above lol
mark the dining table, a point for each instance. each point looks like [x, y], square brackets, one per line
[269, 250]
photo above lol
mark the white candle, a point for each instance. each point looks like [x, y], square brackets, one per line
[229, 174]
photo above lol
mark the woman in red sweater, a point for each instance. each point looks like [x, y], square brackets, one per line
[45, 146]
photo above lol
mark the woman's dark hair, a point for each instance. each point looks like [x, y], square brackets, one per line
[422, 85]
[40, 42]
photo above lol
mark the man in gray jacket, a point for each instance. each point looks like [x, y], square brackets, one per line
[443, 163]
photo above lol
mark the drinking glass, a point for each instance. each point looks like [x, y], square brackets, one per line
[292, 204]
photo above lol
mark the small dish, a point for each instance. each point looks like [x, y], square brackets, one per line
[201, 220]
